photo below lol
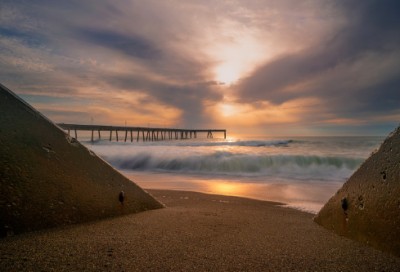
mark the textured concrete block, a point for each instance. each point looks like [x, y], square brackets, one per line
[48, 179]
[367, 207]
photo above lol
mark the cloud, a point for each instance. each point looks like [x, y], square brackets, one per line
[73, 51]
[180, 57]
[132, 45]
[189, 98]
[354, 71]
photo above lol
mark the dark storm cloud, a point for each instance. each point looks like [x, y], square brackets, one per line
[372, 101]
[189, 98]
[372, 27]
[65, 113]
[168, 52]
[131, 45]
[29, 38]
[210, 83]
[82, 30]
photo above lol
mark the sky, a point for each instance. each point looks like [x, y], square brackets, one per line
[253, 67]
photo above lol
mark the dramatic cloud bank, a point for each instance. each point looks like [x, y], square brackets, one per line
[276, 67]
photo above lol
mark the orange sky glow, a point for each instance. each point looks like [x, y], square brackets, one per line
[252, 67]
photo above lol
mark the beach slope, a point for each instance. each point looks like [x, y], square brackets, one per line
[196, 232]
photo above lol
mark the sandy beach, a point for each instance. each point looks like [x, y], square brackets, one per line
[194, 232]
[200, 135]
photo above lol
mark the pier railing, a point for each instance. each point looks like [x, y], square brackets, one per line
[147, 134]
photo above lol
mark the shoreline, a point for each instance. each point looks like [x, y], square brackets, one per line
[195, 231]
[303, 196]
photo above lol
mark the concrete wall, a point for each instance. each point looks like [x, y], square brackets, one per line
[373, 201]
[48, 179]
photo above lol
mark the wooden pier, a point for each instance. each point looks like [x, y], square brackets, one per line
[147, 134]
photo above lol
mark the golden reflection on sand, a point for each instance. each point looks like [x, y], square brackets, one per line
[224, 188]
[306, 196]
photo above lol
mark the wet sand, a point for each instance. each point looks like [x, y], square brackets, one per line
[306, 196]
[195, 232]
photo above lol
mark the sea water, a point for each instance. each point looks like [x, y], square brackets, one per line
[301, 172]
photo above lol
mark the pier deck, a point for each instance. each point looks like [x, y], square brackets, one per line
[148, 134]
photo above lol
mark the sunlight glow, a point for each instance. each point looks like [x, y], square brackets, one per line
[234, 114]
[227, 188]
[228, 73]
[238, 51]
[227, 110]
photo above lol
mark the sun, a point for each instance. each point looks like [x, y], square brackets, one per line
[227, 110]
[227, 73]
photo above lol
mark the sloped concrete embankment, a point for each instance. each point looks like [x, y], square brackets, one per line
[367, 207]
[48, 179]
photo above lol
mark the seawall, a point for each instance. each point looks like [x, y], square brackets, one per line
[367, 207]
[49, 179]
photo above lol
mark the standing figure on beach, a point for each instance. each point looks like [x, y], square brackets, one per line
[121, 199]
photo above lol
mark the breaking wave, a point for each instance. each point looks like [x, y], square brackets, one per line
[222, 162]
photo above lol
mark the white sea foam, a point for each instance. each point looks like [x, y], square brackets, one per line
[223, 162]
[308, 207]
[303, 171]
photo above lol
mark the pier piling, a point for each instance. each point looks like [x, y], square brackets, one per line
[152, 134]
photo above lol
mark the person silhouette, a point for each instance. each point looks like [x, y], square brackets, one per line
[121, 198]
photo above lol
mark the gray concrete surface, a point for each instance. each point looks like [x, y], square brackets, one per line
[48, 179]
[372, 196]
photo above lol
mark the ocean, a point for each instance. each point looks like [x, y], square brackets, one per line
[302, 172]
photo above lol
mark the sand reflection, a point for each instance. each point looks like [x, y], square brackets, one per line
[224, 188]
[306, 196]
